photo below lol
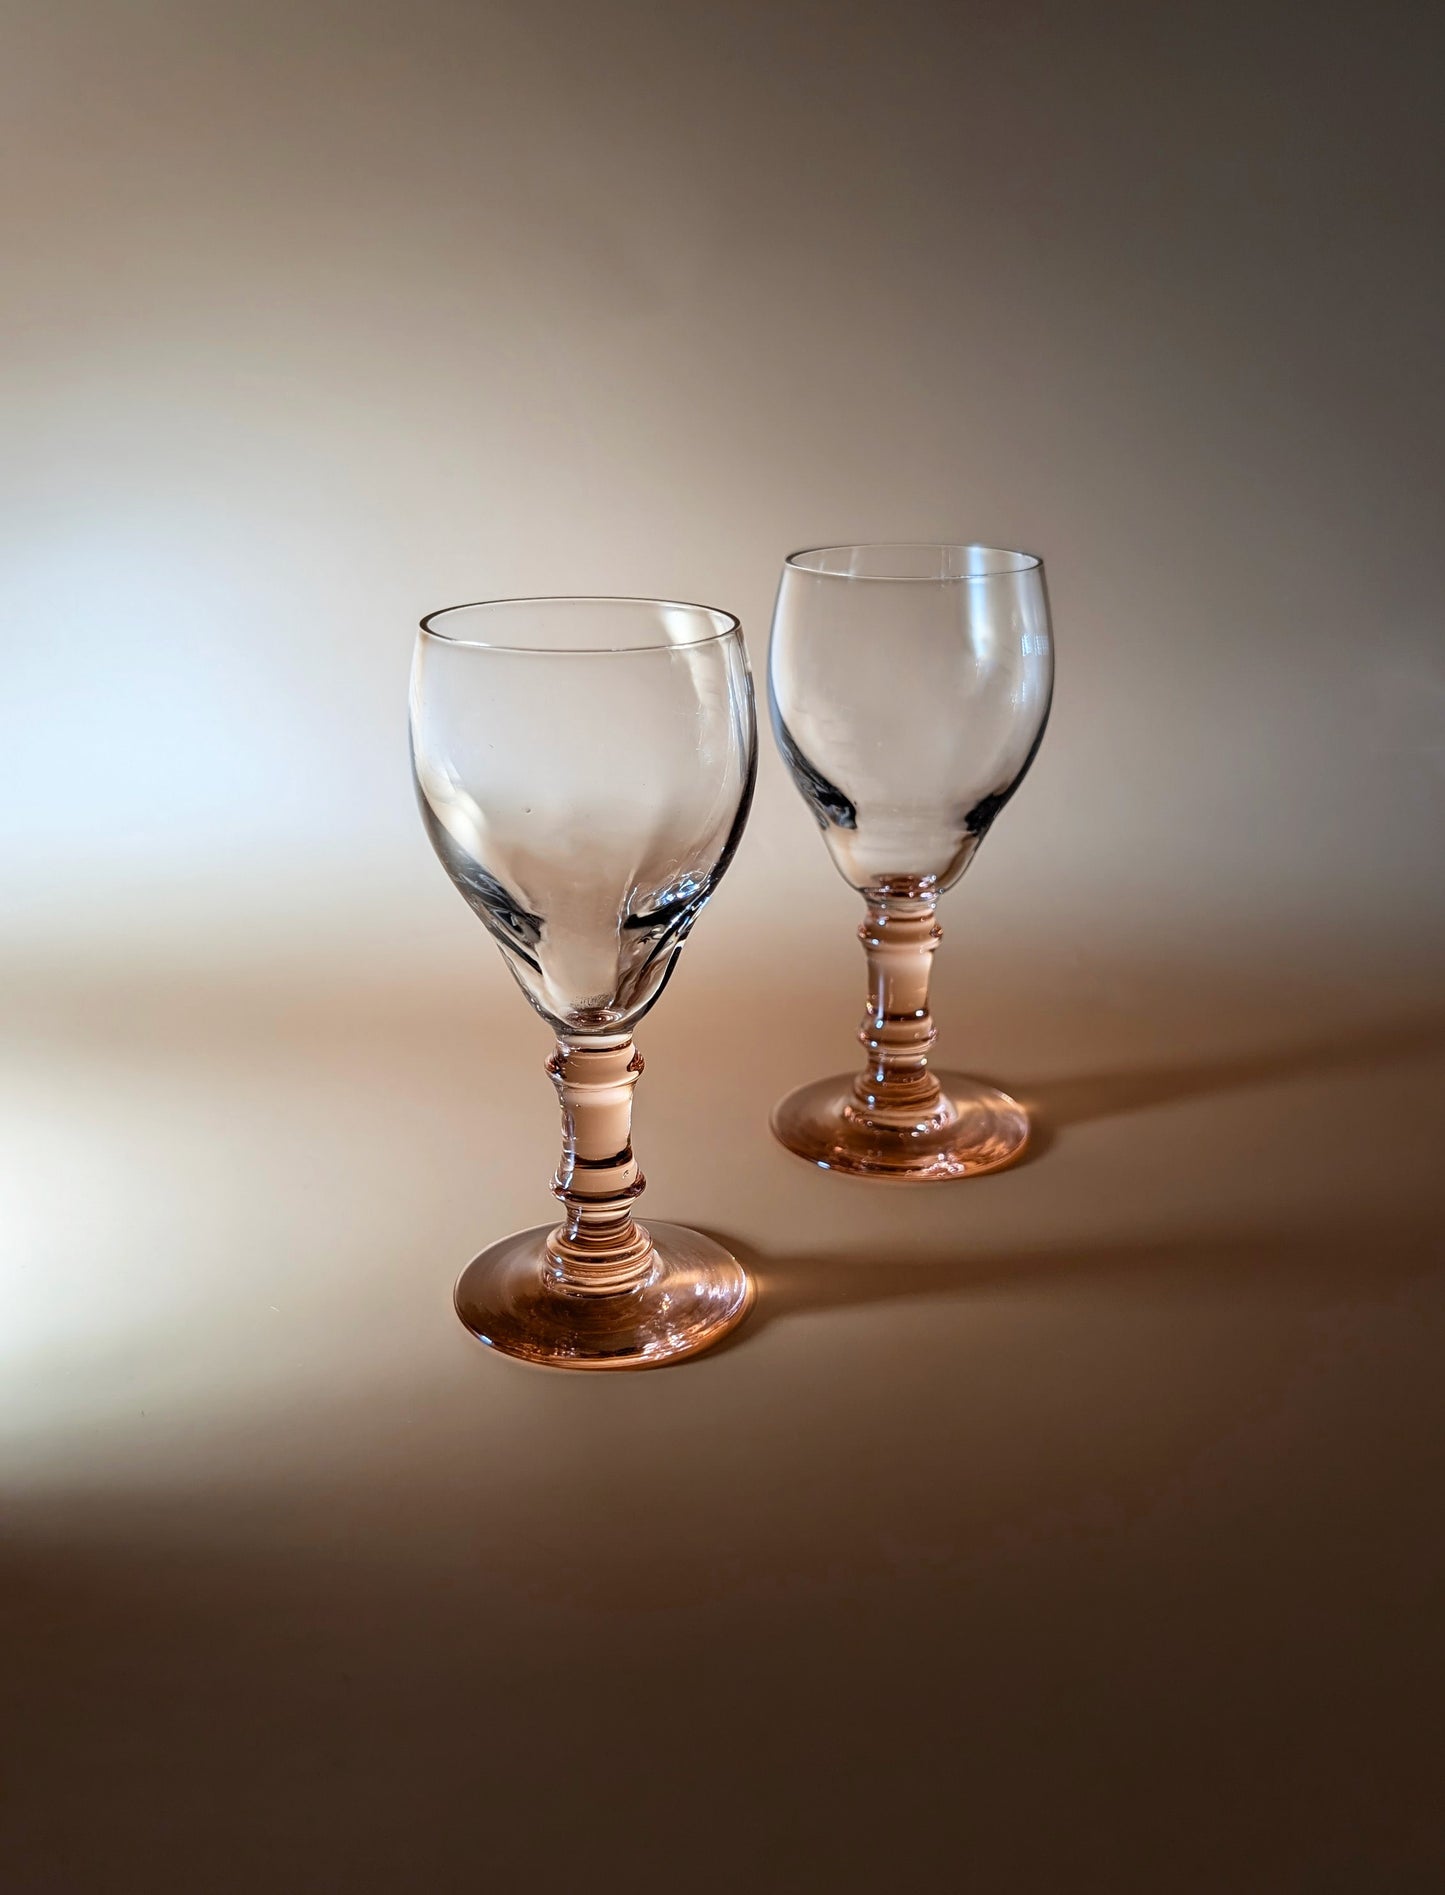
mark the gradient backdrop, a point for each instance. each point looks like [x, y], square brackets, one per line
[1077, 1528]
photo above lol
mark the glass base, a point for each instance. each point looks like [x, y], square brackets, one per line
[694, 1294]
[977, 1129]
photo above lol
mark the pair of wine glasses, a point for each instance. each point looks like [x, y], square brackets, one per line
[585, 768]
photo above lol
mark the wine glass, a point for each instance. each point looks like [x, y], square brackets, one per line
[910, 687]
[584, 768]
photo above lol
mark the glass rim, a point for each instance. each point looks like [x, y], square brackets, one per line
[1025, 562]
[730, 629]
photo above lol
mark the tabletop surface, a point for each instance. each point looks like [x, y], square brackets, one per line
[1029, 1523]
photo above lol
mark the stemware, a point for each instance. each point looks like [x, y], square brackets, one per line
[910, 686]
[584, 768]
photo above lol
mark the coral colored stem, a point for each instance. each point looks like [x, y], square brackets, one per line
[598, 1249]
[895, 1088]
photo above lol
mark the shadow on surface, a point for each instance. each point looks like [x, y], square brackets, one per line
[1369, 1259]
[1056, 1105]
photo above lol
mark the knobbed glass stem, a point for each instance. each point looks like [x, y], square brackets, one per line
[598, 1249]
[896, 1088]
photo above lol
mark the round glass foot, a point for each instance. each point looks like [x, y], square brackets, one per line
[976, 1129]
[693, 1295]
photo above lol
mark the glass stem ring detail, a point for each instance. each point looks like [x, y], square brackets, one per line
[598, 1249]
[896, 1088]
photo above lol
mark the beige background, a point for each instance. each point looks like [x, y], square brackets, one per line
[1077, 1528]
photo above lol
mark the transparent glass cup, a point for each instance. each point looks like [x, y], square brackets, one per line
[910, 686]
[584, 768]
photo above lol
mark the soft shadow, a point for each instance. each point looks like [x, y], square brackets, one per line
[1054, 1105]
[1289, 1263]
